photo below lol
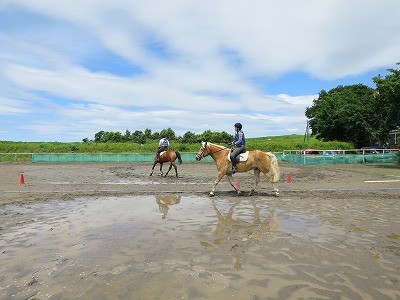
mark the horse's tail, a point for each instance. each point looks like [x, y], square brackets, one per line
[274, 167]
[178, 155]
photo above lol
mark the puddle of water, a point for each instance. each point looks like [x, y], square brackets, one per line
[169, 246]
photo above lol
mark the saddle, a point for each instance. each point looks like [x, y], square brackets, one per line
[242, 156]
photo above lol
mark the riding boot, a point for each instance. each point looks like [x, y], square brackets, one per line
[234, 162]
[234, 169]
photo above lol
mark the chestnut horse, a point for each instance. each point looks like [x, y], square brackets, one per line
[258, 161]
[167, 156]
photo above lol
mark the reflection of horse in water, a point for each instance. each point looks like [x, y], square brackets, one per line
[165, 201]
[167, 156]
[257, 160]
[229, 229]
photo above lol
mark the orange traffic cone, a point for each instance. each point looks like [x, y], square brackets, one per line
[337, 166]
[22, 179]
[238, 184]
[289, 178]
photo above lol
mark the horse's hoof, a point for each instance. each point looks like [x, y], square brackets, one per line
[277, 194]
[212, 194]
[239, 192]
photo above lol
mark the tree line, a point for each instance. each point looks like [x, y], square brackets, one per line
[358, 114]
[147, 136]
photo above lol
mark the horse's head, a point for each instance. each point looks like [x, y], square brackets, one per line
[204, 151]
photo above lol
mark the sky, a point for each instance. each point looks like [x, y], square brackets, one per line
[69, 69]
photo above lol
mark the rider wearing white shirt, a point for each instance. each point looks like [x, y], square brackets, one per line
[162, 146]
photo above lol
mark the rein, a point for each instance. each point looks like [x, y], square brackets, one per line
[217, 151]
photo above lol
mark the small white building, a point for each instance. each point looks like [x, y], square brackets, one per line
[394, 138]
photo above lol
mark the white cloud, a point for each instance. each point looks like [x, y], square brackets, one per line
[13, 107]
[197, 60]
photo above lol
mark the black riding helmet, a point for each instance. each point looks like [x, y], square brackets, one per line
[238, 125]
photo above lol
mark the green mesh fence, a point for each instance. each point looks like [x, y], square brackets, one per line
[84, 157]
[339, 159]
[191, 157]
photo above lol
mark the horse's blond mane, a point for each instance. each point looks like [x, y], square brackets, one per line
[219, 146]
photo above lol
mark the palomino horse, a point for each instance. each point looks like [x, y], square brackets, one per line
[167, 156]
[258, 161]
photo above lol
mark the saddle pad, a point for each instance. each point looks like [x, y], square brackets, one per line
[162, 152]
[242, 156]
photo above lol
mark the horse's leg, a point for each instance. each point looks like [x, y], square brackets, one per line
[256, 180]
[219, 177]
[230, 178]
[276, 191]
[169, 169]
[154, 165]
[161, 168]
[176, 169]
[266, 170]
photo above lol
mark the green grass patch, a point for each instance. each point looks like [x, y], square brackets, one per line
[272, 143]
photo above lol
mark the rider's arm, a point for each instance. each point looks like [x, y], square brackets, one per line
[240, 138]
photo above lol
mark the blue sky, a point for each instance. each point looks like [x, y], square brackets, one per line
[69, 69]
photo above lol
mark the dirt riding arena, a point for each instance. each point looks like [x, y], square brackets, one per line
[107, 231]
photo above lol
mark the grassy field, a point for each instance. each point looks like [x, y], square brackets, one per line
[20, 151]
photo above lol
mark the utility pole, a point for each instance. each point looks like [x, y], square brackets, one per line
[306, 134]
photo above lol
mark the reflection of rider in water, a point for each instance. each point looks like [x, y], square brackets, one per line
[240, 143]
[162, 146]
[165, 201]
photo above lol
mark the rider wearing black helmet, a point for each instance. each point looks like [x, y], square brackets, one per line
[240, 143]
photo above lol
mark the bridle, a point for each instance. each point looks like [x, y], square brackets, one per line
[203, 149]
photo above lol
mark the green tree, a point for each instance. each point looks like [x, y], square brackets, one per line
[147, 133]
[112, 137]
[169, 133]
[190, 138]
[98, 136]
[155, 136]
[224, 137]
[127, 136]
[345, 113]
[207, 136]
[138, 137]
[388, 103]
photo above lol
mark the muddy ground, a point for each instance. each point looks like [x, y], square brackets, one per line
[65, 181]
[334, 233]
